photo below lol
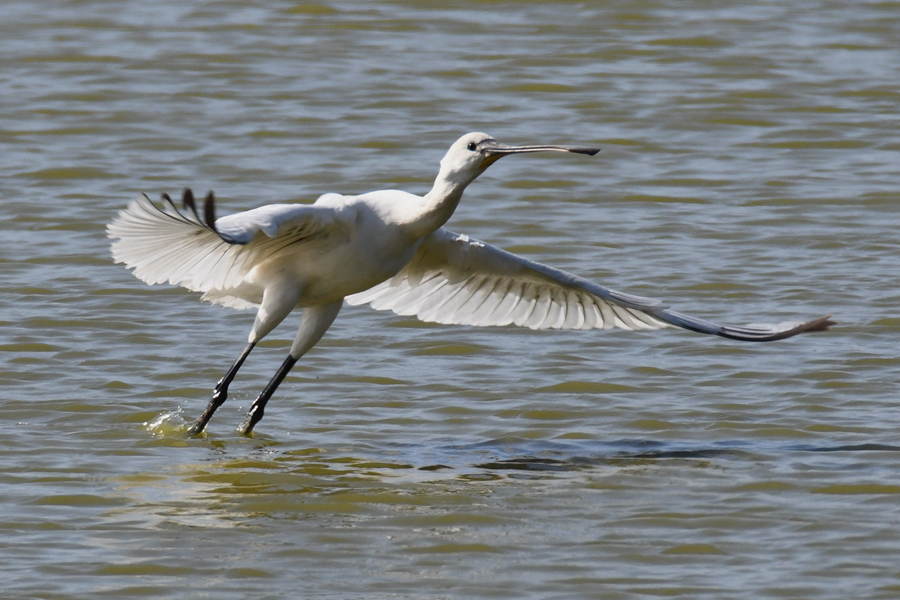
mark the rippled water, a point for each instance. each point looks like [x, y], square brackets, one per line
[750, 168]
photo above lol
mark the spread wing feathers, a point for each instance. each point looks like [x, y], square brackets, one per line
[164, 244]
[453, 279]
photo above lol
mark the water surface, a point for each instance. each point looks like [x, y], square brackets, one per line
[749, 171]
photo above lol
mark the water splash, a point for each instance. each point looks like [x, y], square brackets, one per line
[168, 424]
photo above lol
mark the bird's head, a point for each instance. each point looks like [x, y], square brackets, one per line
[471, 154]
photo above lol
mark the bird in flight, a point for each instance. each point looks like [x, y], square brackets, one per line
[386, 248]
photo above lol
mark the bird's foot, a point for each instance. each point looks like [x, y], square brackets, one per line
[219, 397]
[253, 417]
[197, 428]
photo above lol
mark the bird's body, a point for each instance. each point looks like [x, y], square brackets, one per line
[340, 245]
[387, 248]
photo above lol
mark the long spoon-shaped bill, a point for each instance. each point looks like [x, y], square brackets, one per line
[493, 148]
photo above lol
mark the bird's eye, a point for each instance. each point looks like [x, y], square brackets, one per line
[472, 146]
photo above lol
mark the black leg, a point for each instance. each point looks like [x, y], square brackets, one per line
[259, 405]
[220, 392]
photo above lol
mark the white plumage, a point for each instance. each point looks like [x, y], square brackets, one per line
[387, 249]
[455, 280]
[167, 246]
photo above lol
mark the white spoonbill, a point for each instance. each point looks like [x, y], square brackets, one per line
[386, 248]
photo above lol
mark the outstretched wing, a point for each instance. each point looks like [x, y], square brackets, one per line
[453, 279]
[164, 244]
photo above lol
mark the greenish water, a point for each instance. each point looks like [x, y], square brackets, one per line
[749, 172]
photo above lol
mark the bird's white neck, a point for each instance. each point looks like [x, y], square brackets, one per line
[438, 205]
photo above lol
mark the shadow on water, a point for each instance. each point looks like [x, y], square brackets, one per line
[625, 452]
[239, 479]
[498, 455]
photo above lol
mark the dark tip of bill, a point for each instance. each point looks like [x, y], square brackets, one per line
[589, 150]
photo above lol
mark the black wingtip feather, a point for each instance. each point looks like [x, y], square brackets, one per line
[820, 324]
[209, 211]
[187, 201]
